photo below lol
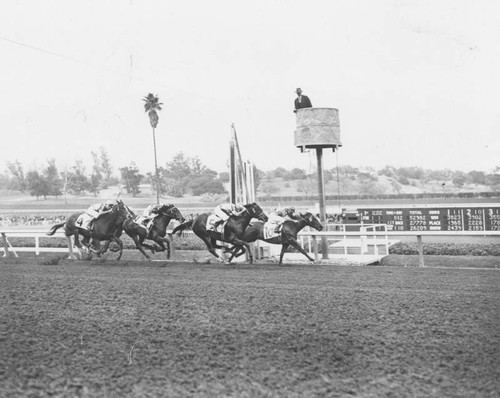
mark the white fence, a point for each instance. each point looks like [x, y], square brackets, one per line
[375, 234]
[37, 249]
[386, 234]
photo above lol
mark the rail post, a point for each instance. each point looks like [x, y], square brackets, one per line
[6, 244]
[420, 251]
[315, 247]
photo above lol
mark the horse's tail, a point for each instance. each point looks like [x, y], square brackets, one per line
[55, 228]
[181, 227]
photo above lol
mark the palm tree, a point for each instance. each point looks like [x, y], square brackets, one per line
[153, 104]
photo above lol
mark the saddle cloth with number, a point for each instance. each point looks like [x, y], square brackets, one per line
[269, 230]
[83, 221]
[211, 220]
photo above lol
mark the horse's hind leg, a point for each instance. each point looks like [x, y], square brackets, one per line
[140, 246]
[283, 250]
[211, 249]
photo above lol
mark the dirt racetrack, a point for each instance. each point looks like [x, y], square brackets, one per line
[180, 329]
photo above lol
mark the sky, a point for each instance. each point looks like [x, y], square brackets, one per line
[416, 83]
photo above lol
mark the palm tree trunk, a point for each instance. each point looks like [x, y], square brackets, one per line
[156, 170]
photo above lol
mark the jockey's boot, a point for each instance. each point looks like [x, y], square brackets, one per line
[217, 223]
[277, 229]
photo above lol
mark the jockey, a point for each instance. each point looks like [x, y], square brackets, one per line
[226, 210]
[96, 210]
[279, 216]
[150, 213]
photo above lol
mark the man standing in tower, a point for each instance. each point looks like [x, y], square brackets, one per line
[302, 101]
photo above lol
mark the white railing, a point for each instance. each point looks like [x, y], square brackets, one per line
[418, 234]
[36, 235]
[365, 233]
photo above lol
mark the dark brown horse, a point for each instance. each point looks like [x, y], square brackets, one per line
[107, 227]
[287, 237]
[157, 233]
[233, 230]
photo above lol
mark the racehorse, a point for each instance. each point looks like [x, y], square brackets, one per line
[107, 227]
[287, 237]
[233, 230]
[157, 233]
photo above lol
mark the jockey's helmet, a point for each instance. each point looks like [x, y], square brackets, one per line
[109, 203]
[290, 210]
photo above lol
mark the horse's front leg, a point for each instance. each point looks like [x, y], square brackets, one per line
[164, 243]
[211, 249]
[239, 242]
[296, 244]
[236, 251]
[120, 246]
[166, 248]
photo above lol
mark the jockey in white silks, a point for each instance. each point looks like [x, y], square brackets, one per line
[96, 210]
[279, 216]
[226, 210]
[149, 214]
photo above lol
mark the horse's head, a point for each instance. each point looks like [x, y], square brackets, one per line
[172, 212]
[121, 210]
[256, 212]
[311, 221]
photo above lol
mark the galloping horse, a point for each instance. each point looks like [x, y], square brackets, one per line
[157, 232]
[287, 237]
[233, 229]
[107, 227]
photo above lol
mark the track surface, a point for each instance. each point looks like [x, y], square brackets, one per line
[180, 329]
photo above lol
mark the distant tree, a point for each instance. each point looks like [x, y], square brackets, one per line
[4, 181]
[53, 179]
[173, 187]
[224, 176]
[459, 179]
[205, 184]
[37, 185]
[131, 178]
[179, 167]
[186, 174]
[268, 188]
[396, 186]
[308, 186]
[297, 174]
[280, 172]
[152, 106]
[403, 180]
[477, 177]
[106, 169]
[416, 173]
[348, 171]
[17, 181]
[77, 181]
[96, 175]
[387, 171]
[438, 175]
[258, 175]
[493, 180]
